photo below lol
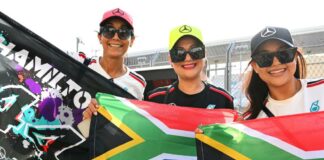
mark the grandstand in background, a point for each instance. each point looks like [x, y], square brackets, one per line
[154, 65]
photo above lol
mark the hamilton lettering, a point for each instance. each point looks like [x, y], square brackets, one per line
[47, 73]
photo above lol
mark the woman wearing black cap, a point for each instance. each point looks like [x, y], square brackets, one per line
[276, 86]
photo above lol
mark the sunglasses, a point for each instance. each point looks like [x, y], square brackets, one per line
[265, 59]
[123, 33]
[179, 54]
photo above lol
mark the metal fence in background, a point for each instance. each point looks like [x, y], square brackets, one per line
[315, 66]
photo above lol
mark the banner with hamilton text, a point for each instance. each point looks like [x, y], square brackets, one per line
[43, 92]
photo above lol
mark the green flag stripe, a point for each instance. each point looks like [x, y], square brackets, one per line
[251, 147]
[221, 147]
[155, 142]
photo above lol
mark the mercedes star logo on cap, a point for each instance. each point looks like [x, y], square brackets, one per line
[268, 32]
[185, 29]
[118, 12]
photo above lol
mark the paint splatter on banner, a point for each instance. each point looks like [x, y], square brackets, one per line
[43, 93]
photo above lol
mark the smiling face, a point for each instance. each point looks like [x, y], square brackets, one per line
[188, 69]
[115, 47]
[277, 74]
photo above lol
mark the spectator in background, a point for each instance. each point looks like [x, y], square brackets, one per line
[116, 35]
[187, 57]
[277, 86]
[84, 59]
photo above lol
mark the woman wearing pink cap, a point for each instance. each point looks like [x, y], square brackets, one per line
[116, 35]
[276, 86]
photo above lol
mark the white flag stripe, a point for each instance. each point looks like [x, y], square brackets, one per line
[173, 157]
[157, 122]
[278, 142]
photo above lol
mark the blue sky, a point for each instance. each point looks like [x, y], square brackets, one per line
[61, 21]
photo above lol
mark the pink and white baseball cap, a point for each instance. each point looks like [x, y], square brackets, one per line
[117, 12]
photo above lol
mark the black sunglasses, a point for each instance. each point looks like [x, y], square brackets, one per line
[265, 59]
[123, 33]
[179, 54]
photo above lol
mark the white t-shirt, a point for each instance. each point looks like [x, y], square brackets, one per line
[131, 82]
[310, 98]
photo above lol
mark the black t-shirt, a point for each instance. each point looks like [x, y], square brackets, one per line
[210, 97]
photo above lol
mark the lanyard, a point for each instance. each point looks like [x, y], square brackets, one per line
[267, 111]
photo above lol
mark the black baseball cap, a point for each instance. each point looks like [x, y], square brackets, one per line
[271, 33]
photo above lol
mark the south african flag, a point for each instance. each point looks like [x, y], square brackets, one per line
[140, 130]
[280, 138]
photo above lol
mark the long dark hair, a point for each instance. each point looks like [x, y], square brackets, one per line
[257, 90]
